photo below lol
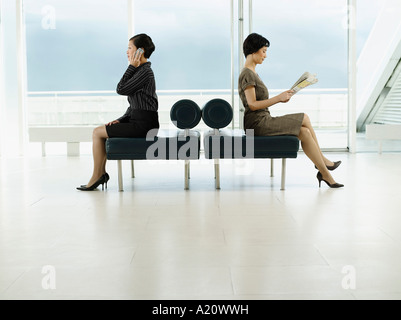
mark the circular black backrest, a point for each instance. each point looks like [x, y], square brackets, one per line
[185, 114]
[217, 113]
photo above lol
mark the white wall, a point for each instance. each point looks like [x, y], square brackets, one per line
[379, 57]
[1, 81]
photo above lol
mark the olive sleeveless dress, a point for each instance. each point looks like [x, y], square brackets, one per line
[261, 121]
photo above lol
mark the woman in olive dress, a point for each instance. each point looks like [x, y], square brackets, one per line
[256, 100]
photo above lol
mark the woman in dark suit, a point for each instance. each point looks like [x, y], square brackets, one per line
[138, 83]
[256, 100]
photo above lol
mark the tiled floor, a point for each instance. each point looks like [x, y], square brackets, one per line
[157, 241]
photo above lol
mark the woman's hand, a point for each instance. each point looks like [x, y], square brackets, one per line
[135, 59]
[286, 96]
[113, 122]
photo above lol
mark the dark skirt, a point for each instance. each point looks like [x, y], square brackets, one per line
[138, 126]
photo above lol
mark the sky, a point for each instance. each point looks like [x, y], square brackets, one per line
[81, 45]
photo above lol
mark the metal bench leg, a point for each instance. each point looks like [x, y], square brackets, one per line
[186, 174]
[283, 169]
[271, 167]
[217, 173]
[132, 169]
[120, 176]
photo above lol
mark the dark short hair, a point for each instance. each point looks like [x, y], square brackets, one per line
[253, 43]
[144, 41]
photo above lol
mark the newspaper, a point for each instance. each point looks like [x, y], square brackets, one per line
[304, 81]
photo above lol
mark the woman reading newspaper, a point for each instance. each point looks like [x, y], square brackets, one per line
[256, 100]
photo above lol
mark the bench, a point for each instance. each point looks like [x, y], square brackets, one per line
[72, 135]
[382, 132]
[236, 144]
[180, 144]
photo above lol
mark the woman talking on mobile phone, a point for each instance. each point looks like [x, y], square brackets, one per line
[138, 84]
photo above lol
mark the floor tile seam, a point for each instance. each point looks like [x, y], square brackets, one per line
[15, 280]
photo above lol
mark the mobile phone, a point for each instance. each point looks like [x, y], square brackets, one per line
[139, 50]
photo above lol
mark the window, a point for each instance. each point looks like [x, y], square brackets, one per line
[76, 54]
[192, 58]
[308, 35]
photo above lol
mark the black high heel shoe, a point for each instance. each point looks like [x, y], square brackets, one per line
[100, 181]
[333, 167]
[334, 185]
[106, 178]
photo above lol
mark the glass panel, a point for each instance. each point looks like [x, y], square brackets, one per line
[192, 58]
[76, 54]
[307, 35]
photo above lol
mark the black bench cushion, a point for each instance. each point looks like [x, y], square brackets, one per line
[217, 113]
[185, 114]
[232, 144]
[167, 145]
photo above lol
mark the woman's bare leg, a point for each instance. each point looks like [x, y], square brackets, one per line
[312, 150]
[307, 124]
[99, 154]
